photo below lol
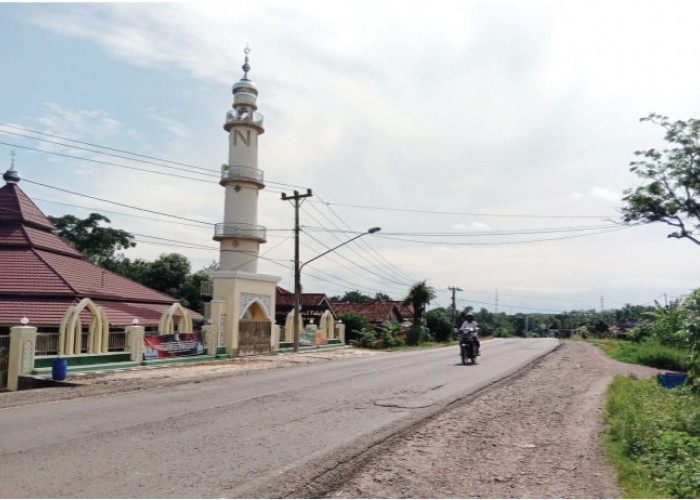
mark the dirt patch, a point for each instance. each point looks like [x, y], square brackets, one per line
[532, 436]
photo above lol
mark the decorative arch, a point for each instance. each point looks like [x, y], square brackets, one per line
[327, 324]
[166, 325]
[289, 326]
[255, 311]
[71, 329]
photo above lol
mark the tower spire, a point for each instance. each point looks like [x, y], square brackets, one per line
[246, 63]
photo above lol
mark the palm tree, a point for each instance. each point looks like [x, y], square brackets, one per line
[419, 296]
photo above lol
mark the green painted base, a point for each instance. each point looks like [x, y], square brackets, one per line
[83, 359]
[178, 361]
[286, 347]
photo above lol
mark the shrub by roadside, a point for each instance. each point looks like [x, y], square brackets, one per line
[653, 438]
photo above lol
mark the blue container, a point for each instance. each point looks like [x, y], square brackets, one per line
[59, 369]
[670, 379]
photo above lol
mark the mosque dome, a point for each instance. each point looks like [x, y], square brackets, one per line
[11, 176]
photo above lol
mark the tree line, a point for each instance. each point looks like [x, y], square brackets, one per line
[170, 273]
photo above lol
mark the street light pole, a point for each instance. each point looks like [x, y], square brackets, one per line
[297, 279]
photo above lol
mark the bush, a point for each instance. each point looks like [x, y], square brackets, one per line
[649, 353]
[440, 324]
[416, 334]
[366, 337]
[354, 323]
[654, 438]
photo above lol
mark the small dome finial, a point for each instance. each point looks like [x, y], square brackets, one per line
[11, 176]
[246, 64]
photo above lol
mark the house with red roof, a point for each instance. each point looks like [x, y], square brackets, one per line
[41, 276]
[377, 311]
[313, 305]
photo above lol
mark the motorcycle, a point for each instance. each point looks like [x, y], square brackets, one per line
[467, 345]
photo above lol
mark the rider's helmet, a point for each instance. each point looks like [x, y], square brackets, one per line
[470, 316]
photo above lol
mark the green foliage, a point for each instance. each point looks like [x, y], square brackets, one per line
[384, 339]
[356, 297]
[190, 292]
[389, 335]
[653, 438]
[354, 324]
[677, 326]
[416, 335]
[439, 322]
[97, 243]
[366, 337]
[419, 297]
[652, 354]
[671, 192]
[169, 274]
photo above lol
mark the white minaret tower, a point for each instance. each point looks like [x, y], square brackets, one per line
[241, 318]
[239, 236]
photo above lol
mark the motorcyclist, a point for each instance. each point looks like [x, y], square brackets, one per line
[470, 324]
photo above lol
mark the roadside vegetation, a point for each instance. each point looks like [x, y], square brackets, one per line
[653, 433]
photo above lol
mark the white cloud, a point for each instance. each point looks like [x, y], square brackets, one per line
[511, 109]
[606, 194]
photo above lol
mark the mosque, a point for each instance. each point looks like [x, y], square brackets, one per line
[46, 284]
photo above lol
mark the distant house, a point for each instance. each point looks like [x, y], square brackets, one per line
[377, 312]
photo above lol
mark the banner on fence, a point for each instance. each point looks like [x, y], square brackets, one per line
[172, 346]
[312, 337]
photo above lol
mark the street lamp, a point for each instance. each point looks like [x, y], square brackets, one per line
[297, 281]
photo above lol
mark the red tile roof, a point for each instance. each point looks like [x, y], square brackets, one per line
[286, 298]
[377, 311]
[40, 275]
[48, 313]
[15, 206]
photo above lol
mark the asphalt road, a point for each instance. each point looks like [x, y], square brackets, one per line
[245, 436]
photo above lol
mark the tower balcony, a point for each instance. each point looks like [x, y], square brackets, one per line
[234, 116]
[242, 173]
[240, 230]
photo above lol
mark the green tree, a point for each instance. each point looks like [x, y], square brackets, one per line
[356, 297]
[439, 322]
[96, 242]
[382, 296]
[190, 292]
[671, 189]
[168, 273]
[419, 297]
[354, 324]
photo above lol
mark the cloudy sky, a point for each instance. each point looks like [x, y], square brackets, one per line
[490, 141]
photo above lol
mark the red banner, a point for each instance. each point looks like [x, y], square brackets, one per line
[172, 346]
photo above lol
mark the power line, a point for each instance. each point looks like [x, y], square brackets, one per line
[364, 243]
[106, 163]
[118, 203]
[214, 173]
[474, 214]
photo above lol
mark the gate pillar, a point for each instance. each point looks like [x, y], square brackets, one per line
[21, 360]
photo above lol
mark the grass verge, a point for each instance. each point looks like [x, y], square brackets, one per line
[653, 438]
[645, 353]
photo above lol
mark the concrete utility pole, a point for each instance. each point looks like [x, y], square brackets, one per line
[454, 307]
[298, 199]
